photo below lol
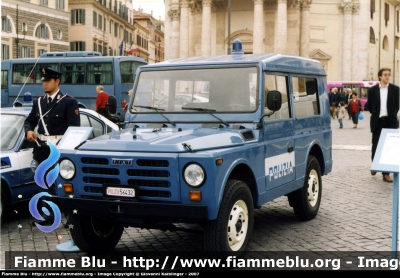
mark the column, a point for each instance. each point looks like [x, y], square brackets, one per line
[258, 30]
[305, 28]
[220, 46]
[167, 31]
[281, 27]
[206, 29]
[363, 41]
[346, 7]
[355, 42]
[192, 28]
[184, 30]
[174, 15]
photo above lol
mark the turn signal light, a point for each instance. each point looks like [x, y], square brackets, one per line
[195, 195]
[68, 188]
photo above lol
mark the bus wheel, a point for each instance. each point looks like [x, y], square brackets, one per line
[93, 234]
[230, 232]
[306, 200]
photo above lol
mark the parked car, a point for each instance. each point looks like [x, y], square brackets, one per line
[17, 177]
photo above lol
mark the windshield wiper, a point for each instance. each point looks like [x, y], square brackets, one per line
[156, 109]
[208, 111]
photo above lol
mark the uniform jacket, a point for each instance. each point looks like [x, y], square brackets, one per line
[374, 105]
[63, 114]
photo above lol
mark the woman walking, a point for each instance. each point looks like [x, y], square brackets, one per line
[354, 108]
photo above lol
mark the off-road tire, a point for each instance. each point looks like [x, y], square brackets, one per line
[229, 234]
[306, 200]
[93, 234]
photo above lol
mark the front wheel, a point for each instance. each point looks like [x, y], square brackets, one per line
[306, 200]
[93, 234]
[230, 232]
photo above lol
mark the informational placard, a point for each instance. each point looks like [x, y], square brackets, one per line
[74, 136]
[387, 159]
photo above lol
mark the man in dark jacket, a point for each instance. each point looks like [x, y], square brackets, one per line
[383, 104]
[52, 113]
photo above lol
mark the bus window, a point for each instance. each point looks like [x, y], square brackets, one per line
[4, 79]
[73, 73]
[20, 73]
[128, 71]
[99, 73]
[39, 72]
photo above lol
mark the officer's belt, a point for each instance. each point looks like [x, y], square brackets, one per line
[50, 137]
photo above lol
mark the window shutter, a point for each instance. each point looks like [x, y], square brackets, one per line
[94, 19]
[372, 6]
[73, 17]
[7, 52]
[72, 46]
[83, 16]
[83, 46]
[28, 50]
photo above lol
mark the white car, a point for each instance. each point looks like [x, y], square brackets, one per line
[17, 177]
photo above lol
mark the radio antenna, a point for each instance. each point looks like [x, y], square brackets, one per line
[26, 80]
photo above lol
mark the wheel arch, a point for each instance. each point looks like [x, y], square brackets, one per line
[243, 172]
[316, 151]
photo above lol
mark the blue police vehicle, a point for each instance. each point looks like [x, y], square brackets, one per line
[260, 131]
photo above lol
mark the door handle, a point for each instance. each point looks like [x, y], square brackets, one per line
[290, 149]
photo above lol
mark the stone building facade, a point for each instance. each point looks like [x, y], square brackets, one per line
[32, 27]
[351, 38]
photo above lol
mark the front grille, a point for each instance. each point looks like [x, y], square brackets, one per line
[155, 178]
[148, 173]
[150, 183]
[101, 180]
[94, 160]
[100, 171]
[152, 163]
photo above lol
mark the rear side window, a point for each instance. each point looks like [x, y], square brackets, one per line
[73, 73]
[99, 73]
[305, 97]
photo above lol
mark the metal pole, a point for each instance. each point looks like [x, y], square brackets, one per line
[229, 27]
[16, 40]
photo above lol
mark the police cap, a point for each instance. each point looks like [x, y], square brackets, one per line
[48, 74]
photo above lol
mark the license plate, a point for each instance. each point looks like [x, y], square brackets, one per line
[122, 192]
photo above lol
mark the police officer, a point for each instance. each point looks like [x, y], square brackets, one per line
[52, 113]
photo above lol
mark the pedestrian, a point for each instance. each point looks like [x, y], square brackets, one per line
[383, 104]
[342, 113]
[333, 110]
[348, 97]
[354, 108]
[101, 101]
[52, 113]
[334, 97]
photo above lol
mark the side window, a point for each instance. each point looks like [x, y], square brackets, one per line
[21, 72]
[99, 73]
[97, 126]
[73, 73]
[38, 67]
[305, 97]
[4, 79]
[277, 83]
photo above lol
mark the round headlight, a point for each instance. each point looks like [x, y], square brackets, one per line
[194, 175]
[67, 169]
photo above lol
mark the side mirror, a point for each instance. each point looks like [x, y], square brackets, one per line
[274, 100]
[112, 105]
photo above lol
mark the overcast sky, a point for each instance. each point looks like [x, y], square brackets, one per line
[157, 6]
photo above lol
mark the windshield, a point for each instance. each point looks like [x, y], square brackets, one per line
[11, 126]
[223, 90]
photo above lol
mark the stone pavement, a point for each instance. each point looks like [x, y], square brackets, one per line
[355, 213]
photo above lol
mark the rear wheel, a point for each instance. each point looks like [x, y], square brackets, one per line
[94, 234]
[306, 200]
[229, 234]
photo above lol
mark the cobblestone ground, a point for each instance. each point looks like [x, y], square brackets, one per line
[355, 214]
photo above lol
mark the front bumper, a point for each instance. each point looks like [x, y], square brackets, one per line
[146, 211]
